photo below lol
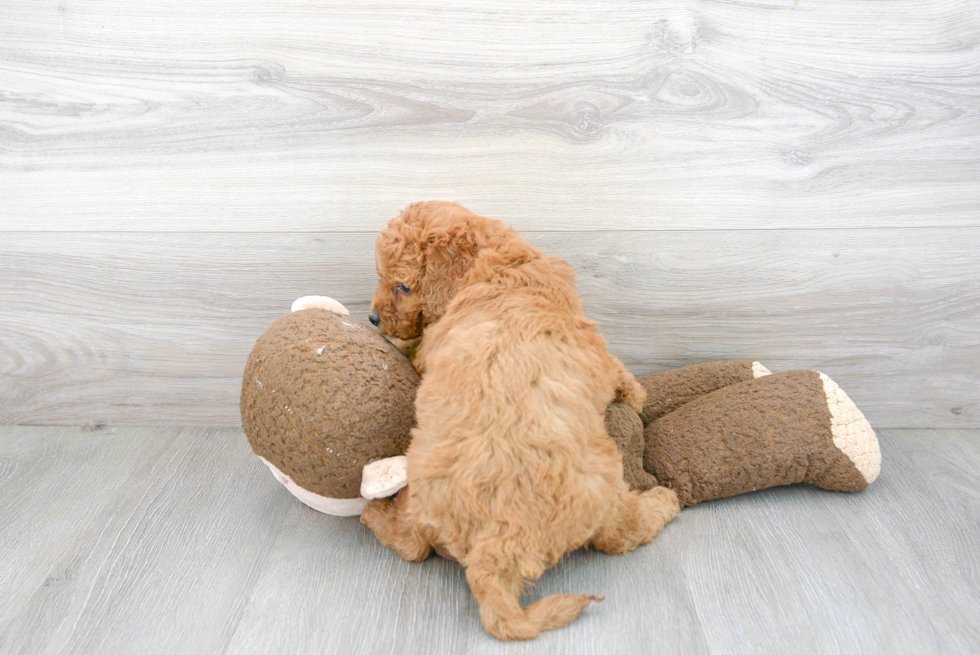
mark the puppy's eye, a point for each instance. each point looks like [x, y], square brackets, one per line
[401, 288]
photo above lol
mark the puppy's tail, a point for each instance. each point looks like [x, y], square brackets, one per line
[502, 615]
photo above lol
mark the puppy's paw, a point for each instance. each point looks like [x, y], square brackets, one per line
[633, 394]
[667, 501]
[375, 514]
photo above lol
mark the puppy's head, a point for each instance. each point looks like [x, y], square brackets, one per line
[422, 258]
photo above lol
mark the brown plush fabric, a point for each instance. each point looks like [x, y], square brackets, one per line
[624, 426]
[760, 433]
[668, 390]
[323, 395]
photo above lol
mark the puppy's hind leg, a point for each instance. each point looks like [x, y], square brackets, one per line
[634, 519]
[391, 525]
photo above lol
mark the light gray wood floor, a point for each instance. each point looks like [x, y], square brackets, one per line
[170, 540]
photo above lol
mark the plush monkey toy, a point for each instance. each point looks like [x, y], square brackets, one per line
[328, 404]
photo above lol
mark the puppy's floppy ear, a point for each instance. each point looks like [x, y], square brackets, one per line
[415, 253]
[449, 253]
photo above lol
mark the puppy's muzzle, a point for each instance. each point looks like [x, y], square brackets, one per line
[374, 317]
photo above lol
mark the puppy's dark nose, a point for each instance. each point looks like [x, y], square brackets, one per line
[373, 317]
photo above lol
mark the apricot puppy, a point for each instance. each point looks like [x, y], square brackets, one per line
[509, 466]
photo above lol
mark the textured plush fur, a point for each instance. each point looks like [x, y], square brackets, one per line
[510, 466]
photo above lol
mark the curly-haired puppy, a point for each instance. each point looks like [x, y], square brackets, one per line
[510, 466]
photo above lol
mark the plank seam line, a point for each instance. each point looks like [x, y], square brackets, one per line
[573, 231]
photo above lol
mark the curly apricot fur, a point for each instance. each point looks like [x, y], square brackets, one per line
[510, 466]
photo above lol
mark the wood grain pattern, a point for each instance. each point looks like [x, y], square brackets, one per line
[53, 483]
[191, 546]
[146, 148]
[292, 116]
[155, 328]
[172, 556]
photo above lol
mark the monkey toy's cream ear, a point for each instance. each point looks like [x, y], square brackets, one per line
[321, 302]
[384, 477]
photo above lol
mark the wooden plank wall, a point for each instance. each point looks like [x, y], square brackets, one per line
[793, 181]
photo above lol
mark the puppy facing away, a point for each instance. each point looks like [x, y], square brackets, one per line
[510, 466]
